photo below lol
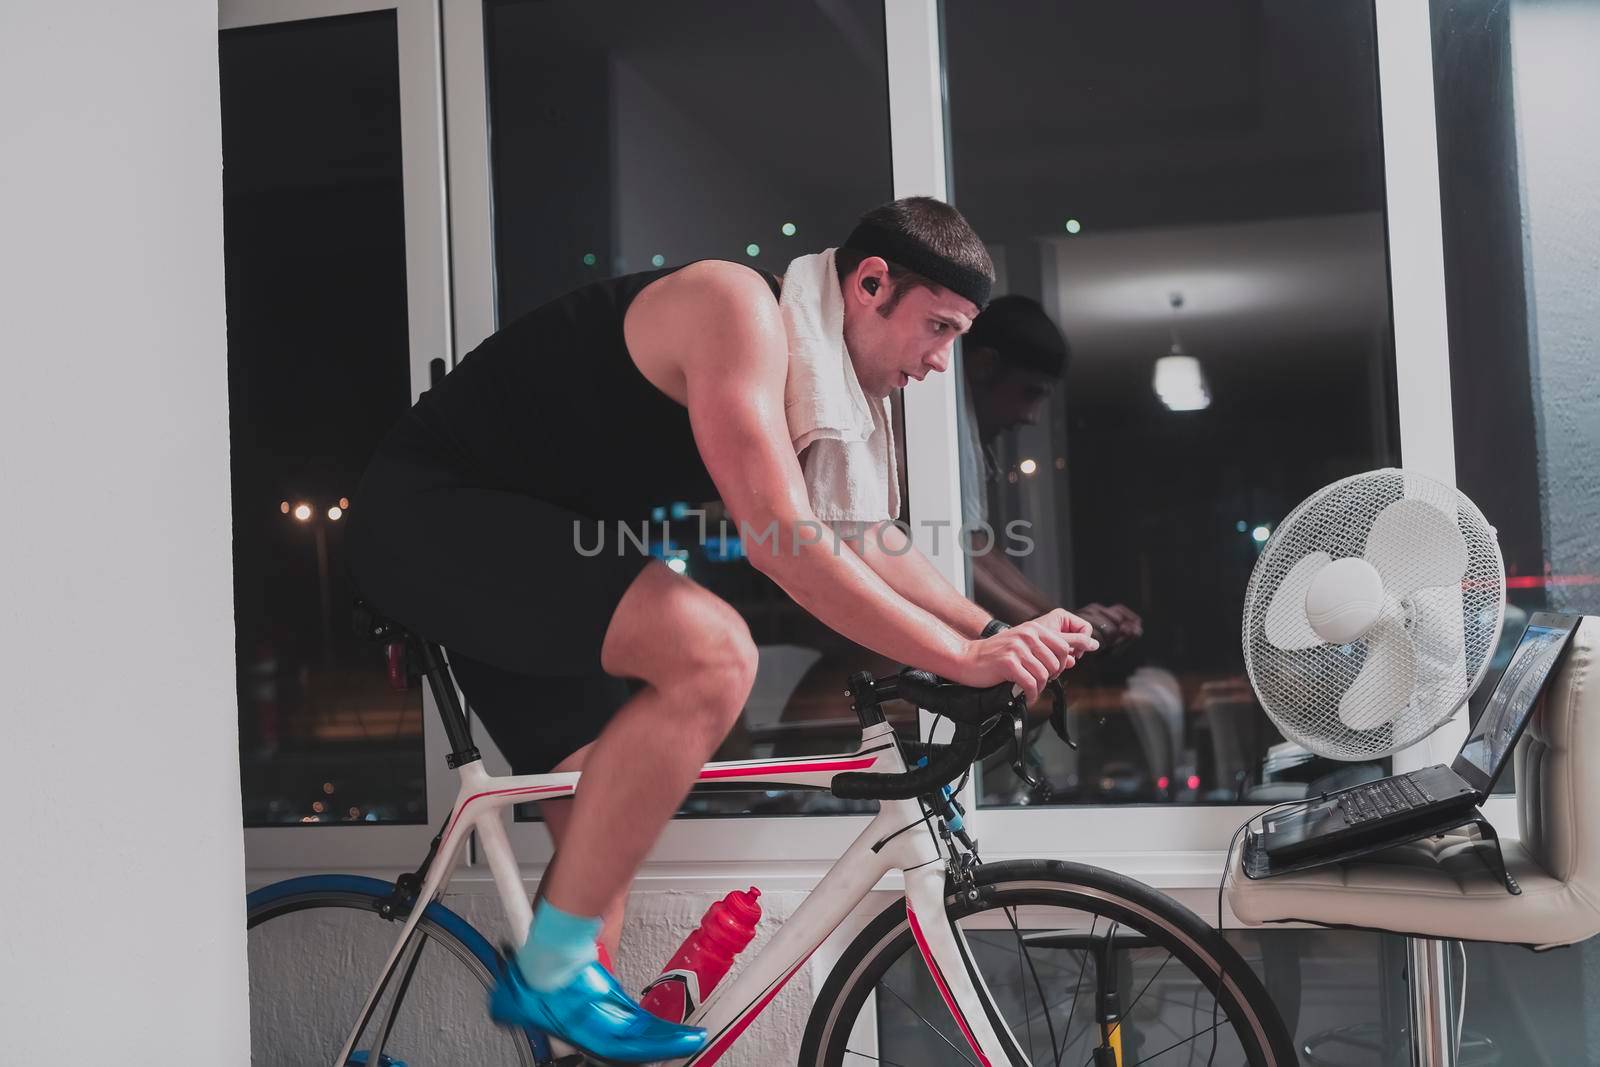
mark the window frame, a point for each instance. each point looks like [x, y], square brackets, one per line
[327, 846]
[453, 307]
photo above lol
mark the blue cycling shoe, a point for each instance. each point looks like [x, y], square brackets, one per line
[593, 1013]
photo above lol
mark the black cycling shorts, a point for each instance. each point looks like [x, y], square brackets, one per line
[494, 577]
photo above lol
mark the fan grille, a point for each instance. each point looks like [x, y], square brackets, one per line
[1455, 628]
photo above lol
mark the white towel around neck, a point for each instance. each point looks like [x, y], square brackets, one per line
[844, 438]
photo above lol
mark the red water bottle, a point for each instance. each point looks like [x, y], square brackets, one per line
[704, 957]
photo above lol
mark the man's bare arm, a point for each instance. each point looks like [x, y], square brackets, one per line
[734, 384]
[888, 551]
[719, 342]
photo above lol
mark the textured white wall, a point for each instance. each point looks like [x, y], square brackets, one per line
[302, 994]
[121, 900]
[1553, 44]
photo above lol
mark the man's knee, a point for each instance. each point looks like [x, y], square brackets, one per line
[708, 669]
[716, 677]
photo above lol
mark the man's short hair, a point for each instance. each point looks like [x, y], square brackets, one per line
[1021, 335]
[931, 223]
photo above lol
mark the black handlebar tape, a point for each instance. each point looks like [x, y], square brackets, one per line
[960, 703]
[947, 764]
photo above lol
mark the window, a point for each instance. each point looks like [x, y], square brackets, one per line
[1201, 212]
[628, 137]
[1515, 184]
[317, 370]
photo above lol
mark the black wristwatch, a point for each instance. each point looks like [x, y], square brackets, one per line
[994, 626]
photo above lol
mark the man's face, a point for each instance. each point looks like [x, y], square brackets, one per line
[917, 336]
[1005, 396]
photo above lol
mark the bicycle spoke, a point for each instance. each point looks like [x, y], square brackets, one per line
[1077, 985]
[1027, 1011]
[1208, 1030]
[874, 1059]
[953, 1046]
[1212, 1029]
[1147, 985]
[1044, 1002]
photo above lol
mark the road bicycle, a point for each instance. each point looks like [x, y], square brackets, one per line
[989, 964]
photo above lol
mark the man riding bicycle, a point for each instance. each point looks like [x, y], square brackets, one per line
[666, 385]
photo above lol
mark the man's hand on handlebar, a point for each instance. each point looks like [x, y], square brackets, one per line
[1028, 654]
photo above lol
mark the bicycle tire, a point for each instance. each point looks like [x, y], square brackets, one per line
[1123, 902]
[438, 926]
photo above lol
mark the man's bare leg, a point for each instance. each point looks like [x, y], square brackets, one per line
[695, 655]
[557, 816]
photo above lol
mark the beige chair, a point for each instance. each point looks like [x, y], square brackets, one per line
[1440, 888]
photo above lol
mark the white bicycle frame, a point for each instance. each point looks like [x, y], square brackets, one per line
[901, 837]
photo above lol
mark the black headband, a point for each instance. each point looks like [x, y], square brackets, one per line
[918, 258]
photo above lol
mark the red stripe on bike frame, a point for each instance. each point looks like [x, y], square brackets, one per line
[501, 793]
[714, 1052]
[944, 990]
[788, 768]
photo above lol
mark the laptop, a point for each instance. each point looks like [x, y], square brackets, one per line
[1401, 807]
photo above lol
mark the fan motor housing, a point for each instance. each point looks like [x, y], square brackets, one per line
[1344, 600]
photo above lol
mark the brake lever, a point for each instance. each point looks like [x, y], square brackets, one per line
[1019, 754]
[1058, 712]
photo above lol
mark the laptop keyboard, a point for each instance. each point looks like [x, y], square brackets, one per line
[1392, 796]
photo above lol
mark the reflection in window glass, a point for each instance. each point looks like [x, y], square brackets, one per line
[1515, 188]
[1200, 212]
[317, 371]
[1341, 995]
[631, 136]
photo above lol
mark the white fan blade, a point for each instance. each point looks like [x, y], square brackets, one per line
[1287, 627]
[1383, 688]
[1438, 633]
[1414, 545]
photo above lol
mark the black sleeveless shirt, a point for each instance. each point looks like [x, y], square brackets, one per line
[554, 406]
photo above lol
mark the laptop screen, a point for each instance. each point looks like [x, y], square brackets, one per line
[1495, 734]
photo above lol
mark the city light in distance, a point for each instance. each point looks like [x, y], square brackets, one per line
[1261, 533]
[752, 249]
[1027, 466]
[1073, 225]
[788, 229]
[302, 512]
[335, 513]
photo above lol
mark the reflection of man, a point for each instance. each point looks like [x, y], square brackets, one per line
[1013, 356]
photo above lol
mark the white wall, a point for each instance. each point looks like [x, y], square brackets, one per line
[121, 900]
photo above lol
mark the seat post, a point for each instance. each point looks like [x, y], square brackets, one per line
[437, 671]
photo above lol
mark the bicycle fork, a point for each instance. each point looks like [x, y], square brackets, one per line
[944, 950]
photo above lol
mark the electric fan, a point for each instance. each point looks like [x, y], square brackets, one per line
[1372, 613]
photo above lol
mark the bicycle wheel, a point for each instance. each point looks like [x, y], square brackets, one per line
[1084, 966]
[317, 946]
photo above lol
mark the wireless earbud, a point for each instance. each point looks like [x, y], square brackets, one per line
[870, 285]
